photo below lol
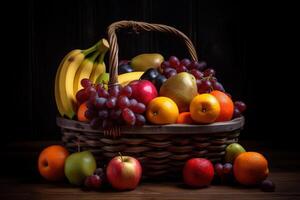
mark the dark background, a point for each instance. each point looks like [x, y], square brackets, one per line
[247, 43]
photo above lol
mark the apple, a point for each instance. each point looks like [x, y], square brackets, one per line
[198, 172]
[104, 79]
[124, 172]
[232, 151]
[78, 166]
[143, 91]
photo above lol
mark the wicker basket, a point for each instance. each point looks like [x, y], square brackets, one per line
[161, 149]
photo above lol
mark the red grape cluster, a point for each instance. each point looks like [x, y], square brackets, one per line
[205, 77]
[112, 107]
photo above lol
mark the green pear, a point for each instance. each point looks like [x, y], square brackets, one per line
[181, 88]
[145, 61]
[78, 166]
[232, 151]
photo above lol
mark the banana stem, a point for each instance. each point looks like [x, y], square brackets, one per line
[102, 46]
[93, 57]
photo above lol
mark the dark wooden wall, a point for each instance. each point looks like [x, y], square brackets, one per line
[236, 39]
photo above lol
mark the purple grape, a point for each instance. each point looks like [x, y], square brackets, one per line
[126, 91]
[128, 116]
[236, 113]
[90, 114]
[218, 86]
[103, 114]
[181, 68]
[170, 74]
[111, 102]
[123, 102]
[102, 92]
[209, 72]
[94, 181]
[85, 83]
[115, 114]
[114, 91]
[174, 62]
[140, 120]
[241, 106]
[201, 65]
[168, 70]
[227, 168]
[219, 169]
[196, 73]
[138, 108]
[165, 64]
[133, 102]
[82, 96]
[100, 102]
[267, 186]
[186, 62]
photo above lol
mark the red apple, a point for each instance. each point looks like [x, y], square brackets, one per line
[124, 172]
[143, 91]
[198, 172]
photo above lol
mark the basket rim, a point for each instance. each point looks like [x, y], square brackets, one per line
[216, 127]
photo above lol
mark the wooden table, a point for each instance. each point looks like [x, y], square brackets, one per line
[285, 172]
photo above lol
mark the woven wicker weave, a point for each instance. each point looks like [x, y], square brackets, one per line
[161, 149]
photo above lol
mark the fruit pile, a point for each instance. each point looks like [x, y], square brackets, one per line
[151, 90]
[125, 172]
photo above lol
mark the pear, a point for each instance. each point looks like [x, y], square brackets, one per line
[145, 61]
[181, 88]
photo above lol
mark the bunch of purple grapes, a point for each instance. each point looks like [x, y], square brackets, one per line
[205, 77]
[112, 107]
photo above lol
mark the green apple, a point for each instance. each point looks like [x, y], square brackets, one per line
[78, 166]
[103, 78]
[232, 151]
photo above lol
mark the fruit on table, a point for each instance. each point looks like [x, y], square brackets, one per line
[124, 68]
[205, 108]
[226, 106]
[78, 166]
[232, 151]
[99, 66]
[162, 110]
[250, 168]
[181, 88]
[124, 172]
[143, 91]
[185, 118]
[94, 181]
[145, 61]
[198, 172]
[81, 112]
[84, 71]
[239, 108]
[51, 162]
[64, 80]
[267, 186]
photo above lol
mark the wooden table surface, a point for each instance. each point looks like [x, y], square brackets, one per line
[284, 167]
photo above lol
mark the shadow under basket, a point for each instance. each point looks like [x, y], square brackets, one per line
[161, 149]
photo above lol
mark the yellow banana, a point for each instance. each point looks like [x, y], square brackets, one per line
[66, 80]
[126, 78]
[99, 66]
[59, 105]
[84, 71]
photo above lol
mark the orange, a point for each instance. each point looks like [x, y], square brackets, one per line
[162, 110]
[81, 112]
[226, 104]
[205, 108]
[51, 162]
[250, 168]
[185, 118]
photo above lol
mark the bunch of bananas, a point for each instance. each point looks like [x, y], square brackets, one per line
[80, 64]
[75, 66]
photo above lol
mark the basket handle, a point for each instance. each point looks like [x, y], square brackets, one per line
[139, 26]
